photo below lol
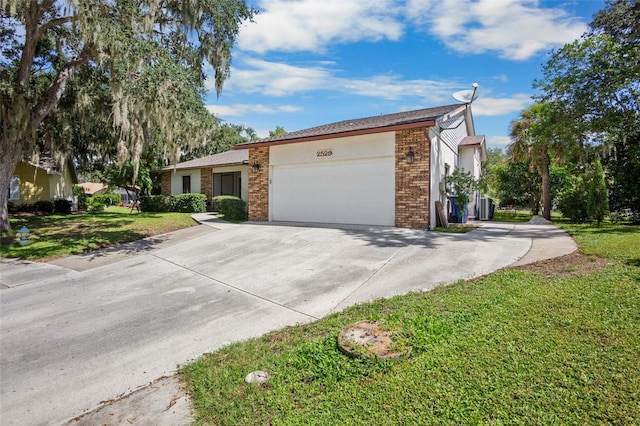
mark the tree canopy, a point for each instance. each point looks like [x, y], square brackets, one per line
[588, 97]
[151, 55]
[595, 80]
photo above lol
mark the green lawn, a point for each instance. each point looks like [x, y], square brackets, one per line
[512, 215]
[55, 236]
[514, 347]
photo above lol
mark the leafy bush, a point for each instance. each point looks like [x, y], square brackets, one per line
[155, 203]
[43, 206]
[95, 207]
[188, 203]
[233, 208]
[107, 199]
[598, 199]
[572, 200]
[62, 206]
[625, 216]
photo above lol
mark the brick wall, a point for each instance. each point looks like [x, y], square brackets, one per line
[259, 185]
[165, 183]
[412, 180]
[206, 185]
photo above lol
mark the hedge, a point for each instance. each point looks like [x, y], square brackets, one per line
[233, 208]
[107, 199]
[182, 203]
[62, 206]
[155, 203]
[189, 203]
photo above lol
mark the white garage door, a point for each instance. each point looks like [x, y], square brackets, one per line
[361, 192]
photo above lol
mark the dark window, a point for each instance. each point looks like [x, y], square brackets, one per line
[186, 184]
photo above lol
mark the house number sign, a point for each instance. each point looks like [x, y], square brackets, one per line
[324, 153]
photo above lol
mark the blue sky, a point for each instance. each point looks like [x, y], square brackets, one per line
[304, 63]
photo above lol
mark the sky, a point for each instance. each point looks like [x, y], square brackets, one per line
[305, 63]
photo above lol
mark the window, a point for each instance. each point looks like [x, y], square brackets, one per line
[14, 188]
[186, 184]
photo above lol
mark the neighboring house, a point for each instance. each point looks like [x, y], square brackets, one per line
[226, 173]
[43, 181]
[383, 170]
[91, 188]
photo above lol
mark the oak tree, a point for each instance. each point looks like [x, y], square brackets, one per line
[154, 53]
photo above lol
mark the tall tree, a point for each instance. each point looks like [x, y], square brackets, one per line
[222, 139]
[153, 52]
[595, 81]
[278, 131]
[530, 143]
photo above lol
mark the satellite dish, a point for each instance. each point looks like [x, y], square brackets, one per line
[467, 96]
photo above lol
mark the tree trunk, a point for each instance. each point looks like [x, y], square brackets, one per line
[546, 187]
[11, 153]
[19, 125]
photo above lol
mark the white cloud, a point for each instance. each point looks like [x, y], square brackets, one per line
[256, 76]
[515, 29]
[498, 141]
[277, 79]
[310, 25]
[484, 106]
[237, 110]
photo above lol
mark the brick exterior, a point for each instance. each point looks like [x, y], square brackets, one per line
[165, 183]
[259, 185]
[206, 185]
[412, 180]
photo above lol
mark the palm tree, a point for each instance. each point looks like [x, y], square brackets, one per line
[534, 139]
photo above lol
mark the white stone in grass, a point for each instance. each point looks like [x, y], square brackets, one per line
[257, 377]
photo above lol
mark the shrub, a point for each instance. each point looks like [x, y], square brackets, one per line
[233, 208]
[62, 206]
[625, 216]
[598, 199]
[572, 200]
[107, 199]
[155, 203]
[95, 207]
[24, 208]
[189, 203]
[44, 206]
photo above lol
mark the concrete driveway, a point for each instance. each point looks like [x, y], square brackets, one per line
[72, 340]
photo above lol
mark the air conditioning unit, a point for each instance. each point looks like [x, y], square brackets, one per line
[486, 208]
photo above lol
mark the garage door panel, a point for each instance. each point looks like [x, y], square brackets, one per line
[355, 192]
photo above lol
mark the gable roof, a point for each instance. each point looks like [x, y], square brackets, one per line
[92, 187]
[375, 124]
[477, 141]
[52, 166]
[227, 158]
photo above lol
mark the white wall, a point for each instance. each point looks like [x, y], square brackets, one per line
[176, 181]
[342, 149]
[444, 150]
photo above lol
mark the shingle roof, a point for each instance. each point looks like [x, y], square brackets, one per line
[472, 140]
[228, 158]
[362, 124]
[477, 141]
[92, 187]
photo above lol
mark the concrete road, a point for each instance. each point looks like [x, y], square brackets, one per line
[72, 340]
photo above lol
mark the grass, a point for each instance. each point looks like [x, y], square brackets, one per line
[55, 236]
[514, 347]
[512, 215]
[456, 228]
